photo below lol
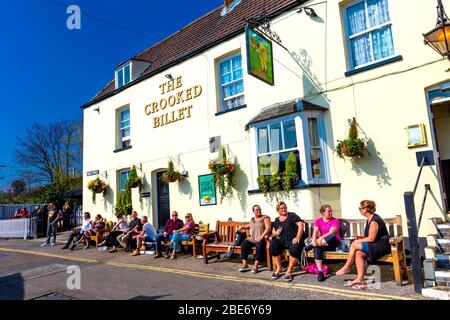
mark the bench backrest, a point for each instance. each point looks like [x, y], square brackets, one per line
[201, 229]
[355, 227]
[227, 230]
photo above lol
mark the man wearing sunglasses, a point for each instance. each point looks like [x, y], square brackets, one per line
[171, 225]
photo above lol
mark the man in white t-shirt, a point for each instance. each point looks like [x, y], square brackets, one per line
[78, 232]
[148, 234]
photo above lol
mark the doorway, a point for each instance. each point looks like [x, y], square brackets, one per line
[162, 201]
[439, 100]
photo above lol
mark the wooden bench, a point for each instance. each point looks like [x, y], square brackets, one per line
[355, 227]
[200, 230]
[98, 235]
[224, 237]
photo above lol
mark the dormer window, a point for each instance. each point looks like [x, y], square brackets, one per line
[123, 76]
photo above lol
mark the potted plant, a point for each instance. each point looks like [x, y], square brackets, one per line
[263, 180]
[352, 147]
[134, 181]
[290, 174]
[97, 186]
[223, 171]
[171, 175]
[124, 202]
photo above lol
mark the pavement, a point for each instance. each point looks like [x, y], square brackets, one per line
[31, 272]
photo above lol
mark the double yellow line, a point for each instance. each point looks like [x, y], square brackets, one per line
[305, 287]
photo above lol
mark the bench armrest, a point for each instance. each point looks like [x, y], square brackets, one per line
[207, 236]
[395, 240]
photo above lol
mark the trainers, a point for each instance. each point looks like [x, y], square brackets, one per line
[275, 276]
[112, 250]
[244, 269]
[86, 247]
[72, 246]
[45, 244]
[65, 247]
[158, 255]
[255, 270]
[136, 253]
[288, 278]
[321, 277]
[52, 244]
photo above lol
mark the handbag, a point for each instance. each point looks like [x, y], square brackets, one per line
[312, 268]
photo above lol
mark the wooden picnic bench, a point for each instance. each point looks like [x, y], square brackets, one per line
[224, 237]
[355, 227]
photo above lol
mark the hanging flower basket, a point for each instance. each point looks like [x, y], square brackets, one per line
[352, 147]
[134, 181]
[171, 175]
[223, 171]
[97, 186]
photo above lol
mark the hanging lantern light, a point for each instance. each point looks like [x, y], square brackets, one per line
[439, 37]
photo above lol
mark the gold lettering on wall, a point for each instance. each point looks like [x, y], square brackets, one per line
[173, 113]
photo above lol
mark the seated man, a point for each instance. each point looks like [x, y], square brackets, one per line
[134, 228]
[78, 232]
[148, 234]
[172, 224]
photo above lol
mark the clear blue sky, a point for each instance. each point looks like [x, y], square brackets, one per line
[48, 71]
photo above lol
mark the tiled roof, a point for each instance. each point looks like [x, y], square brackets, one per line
[281, 109]
[200, 35]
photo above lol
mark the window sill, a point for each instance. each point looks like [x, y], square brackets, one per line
[305, 186]
[230, 110]
[122, 149]
[374, 65]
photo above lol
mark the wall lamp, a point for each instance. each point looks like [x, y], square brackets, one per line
[169, 76]
[439, 37]
[309, 11]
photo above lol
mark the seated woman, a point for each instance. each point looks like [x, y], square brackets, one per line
[288, 232]
[325, 237]
[98, 226]
[77, 233]
[183, 234]
[119, 228]
[259, 227]
[374, 245]
[148, 234]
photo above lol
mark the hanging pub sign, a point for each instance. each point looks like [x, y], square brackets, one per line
[207, 190]
[259, 56]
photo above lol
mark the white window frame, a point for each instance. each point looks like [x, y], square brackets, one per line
[370, 30]
[120, 177]
[120, 139]
[122, 71]
[221, 85]
[303, 146]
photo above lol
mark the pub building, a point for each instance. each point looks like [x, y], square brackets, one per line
[275, 84]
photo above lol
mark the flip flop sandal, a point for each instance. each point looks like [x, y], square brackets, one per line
[360, 286]
[349, 283]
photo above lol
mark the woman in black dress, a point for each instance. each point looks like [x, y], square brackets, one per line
[374, 245]
[288, 232]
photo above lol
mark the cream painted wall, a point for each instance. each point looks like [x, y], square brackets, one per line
[384, 100]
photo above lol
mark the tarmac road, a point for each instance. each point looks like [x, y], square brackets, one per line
[28, 271]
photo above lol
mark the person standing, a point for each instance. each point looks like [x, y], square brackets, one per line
[66, 214]
[171, 225]
[53, 216]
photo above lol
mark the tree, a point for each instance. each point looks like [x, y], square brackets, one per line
[52, 152]
[18, 187]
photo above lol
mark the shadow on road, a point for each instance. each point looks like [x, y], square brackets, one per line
[150, 298]
[12, 287]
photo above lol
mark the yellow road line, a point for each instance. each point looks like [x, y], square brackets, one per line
[341, 292]
[38, 253]
[305, 287]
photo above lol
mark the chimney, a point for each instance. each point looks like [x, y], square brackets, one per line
[227, 3]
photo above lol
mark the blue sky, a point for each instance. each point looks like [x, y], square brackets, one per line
[49, 71]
